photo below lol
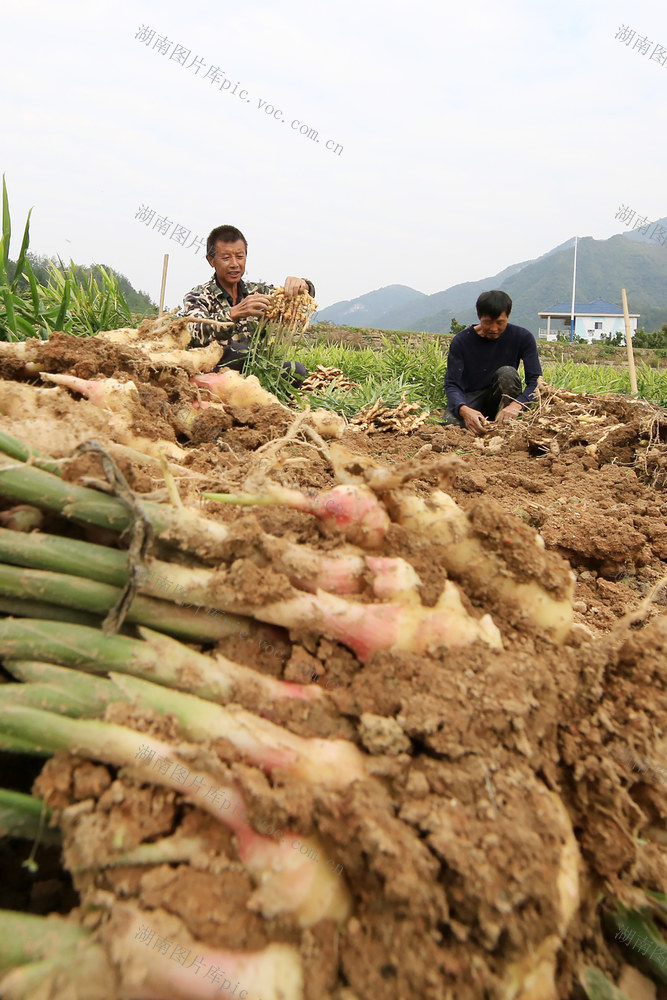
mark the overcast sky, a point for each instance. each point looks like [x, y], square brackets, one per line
[463, 137]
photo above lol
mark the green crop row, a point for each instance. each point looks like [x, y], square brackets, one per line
[651, 382]
[420, 373]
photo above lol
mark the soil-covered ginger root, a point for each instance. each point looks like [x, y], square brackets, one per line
[62, 960]
[235, 389]
[120, 398]
[494, 553]
[467, 555]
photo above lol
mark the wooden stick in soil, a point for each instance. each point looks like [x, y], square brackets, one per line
[164, 283]
[628, 344]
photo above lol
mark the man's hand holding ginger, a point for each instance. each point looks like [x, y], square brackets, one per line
[254, 304]
[293, 286]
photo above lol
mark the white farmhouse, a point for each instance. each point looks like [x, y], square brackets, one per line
[592, 320]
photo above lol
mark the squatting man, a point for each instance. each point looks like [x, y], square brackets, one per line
[482, 381]
[227, 298]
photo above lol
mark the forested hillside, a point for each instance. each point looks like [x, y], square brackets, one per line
[137, 301]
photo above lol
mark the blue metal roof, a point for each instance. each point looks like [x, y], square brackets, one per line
[597, 308]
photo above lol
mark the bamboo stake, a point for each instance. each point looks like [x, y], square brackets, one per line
[628, 344]
[164, 283]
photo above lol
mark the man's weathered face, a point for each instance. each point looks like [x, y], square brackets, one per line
[228, 261]
[491, 329]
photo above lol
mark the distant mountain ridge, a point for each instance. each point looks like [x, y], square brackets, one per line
[627, 260]
[366, 310]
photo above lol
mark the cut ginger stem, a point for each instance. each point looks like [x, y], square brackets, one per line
[355, 510]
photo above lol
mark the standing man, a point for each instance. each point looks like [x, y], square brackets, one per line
[227, 298]
[482, 380]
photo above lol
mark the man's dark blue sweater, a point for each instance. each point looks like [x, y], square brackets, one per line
[473, 361]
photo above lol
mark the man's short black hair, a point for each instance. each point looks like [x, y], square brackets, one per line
[225, 234]
[492, 304]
